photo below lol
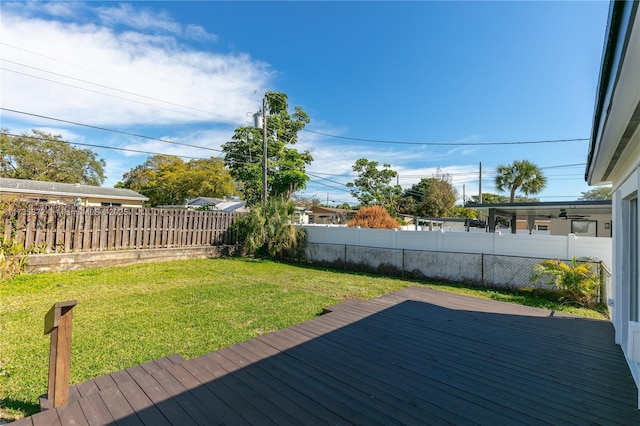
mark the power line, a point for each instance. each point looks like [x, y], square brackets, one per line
[39, 54]
[106, 87]
[100, 146]
[102, 93]
[446, 143]
[110, 130]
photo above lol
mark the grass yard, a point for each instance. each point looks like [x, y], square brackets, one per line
[129, 315]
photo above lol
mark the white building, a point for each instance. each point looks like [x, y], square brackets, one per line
[614, 157]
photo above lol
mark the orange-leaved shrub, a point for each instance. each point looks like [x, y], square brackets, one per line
[374, 217]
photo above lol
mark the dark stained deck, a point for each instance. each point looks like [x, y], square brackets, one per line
[416, 356]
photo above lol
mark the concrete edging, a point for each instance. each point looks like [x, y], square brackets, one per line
[55, 262]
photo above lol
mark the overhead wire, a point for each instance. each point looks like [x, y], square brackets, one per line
[98, 146]
[102, 93]
[488, 173]
[106, 87]
[446, 143]
[109, 130]
[214, 113]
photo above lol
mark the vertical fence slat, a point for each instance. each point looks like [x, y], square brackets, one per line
[126, 225]
[30, 225]
[50, 236]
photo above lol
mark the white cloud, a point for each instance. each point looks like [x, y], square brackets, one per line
[167, 82]
[140, 19]
[196, 32]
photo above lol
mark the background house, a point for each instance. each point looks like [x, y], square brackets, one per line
[614, 157]
[326, 215]
[68, 193]
[582, 218]
[209, 203]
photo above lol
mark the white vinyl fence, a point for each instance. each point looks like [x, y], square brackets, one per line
[488, 259]
[538, 246]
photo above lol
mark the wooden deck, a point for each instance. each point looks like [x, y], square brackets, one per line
[415, 356]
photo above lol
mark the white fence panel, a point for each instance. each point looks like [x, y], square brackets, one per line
[377, 237]
[418, 240]
[536, 246]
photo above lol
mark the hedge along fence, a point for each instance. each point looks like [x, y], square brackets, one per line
[64, 228]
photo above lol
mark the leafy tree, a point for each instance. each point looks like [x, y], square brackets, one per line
[268, 229]
[434, 196]
[489, 198]
[344, 206]
[307, 203]
[169, 180]
[42, 156]
[459, 211]
[601, 193]
[523, 175]
[373, 186]
[374, 217]
[286, 166]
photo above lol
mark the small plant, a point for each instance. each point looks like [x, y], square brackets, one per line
[374, 217]
[12, 254]
[578, 283]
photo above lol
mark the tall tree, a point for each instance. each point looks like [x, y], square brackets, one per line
[434, 196]
[43, 156]
[373, 186]
[169, 180]
[286, 166]
[520, 175]
[601, 193]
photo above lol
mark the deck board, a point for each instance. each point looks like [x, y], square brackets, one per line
[415, 356]
[94, 410]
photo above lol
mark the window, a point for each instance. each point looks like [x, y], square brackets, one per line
[542, 227]
[584, 228]
[111, 204]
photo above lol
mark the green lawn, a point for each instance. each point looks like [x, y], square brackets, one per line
[129, 315]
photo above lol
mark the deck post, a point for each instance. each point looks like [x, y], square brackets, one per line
[57, 322]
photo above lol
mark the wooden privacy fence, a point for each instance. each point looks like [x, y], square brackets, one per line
[64, 228]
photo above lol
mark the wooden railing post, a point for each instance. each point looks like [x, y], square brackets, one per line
[58, 323]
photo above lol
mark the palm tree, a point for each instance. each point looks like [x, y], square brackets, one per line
[520, 174]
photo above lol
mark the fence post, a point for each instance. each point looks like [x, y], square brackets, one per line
[57, 322]
[571, 246]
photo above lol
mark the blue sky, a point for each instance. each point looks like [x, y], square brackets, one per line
[459, 74]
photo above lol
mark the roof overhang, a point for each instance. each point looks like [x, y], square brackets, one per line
[548, 210]
[71, 194]
[617, 108]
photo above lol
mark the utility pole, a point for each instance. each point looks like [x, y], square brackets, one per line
[464, 195]
[260, 122]
[480, 186]
[264, 149]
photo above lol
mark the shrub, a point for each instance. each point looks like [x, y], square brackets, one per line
[13, 256]
[577, 283]
[374, 217]
[268, 230]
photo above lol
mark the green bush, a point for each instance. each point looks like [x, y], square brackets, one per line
[268, 230]
[577, 283]
[13, 256]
